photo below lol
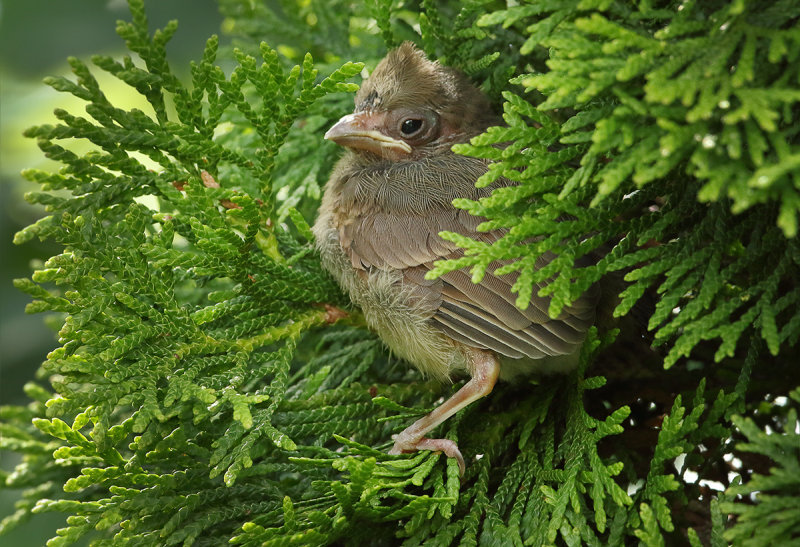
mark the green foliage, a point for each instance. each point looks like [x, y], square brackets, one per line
[641, 110]
[774, 518]
[200, 395]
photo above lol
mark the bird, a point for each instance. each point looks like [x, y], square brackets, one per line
[377, 232]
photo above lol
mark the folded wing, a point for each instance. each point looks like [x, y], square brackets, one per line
[401, 234]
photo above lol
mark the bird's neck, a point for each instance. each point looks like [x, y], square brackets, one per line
[359, 183]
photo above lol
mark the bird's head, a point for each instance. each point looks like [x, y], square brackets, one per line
[411, 107]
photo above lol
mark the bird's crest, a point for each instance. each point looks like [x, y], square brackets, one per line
[407, 78]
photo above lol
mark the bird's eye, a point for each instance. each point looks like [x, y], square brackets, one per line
[410, 126]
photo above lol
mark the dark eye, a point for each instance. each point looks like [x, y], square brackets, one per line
[410, 126]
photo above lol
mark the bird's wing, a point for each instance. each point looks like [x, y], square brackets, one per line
[482, 315]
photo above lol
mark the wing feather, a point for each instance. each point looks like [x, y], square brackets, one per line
[400, 231]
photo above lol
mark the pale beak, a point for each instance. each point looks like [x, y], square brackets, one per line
[362, 131]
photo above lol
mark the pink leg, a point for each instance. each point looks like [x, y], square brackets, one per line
[486, 369]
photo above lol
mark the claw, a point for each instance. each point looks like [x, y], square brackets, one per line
[448, 447]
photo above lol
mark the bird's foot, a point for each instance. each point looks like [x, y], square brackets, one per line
[404, 444]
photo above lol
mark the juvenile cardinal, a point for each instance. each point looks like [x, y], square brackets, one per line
[377, 232]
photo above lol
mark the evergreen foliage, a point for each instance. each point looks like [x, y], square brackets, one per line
[201, 393]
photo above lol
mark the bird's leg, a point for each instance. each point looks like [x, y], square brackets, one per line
[485, 370]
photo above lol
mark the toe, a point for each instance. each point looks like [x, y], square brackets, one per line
[450, 449]
[447, 446]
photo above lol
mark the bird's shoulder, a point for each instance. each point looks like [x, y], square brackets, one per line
[389, 214]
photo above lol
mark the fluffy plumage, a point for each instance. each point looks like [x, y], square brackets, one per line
[377, 232]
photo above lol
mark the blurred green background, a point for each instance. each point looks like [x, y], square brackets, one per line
[36, 37]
